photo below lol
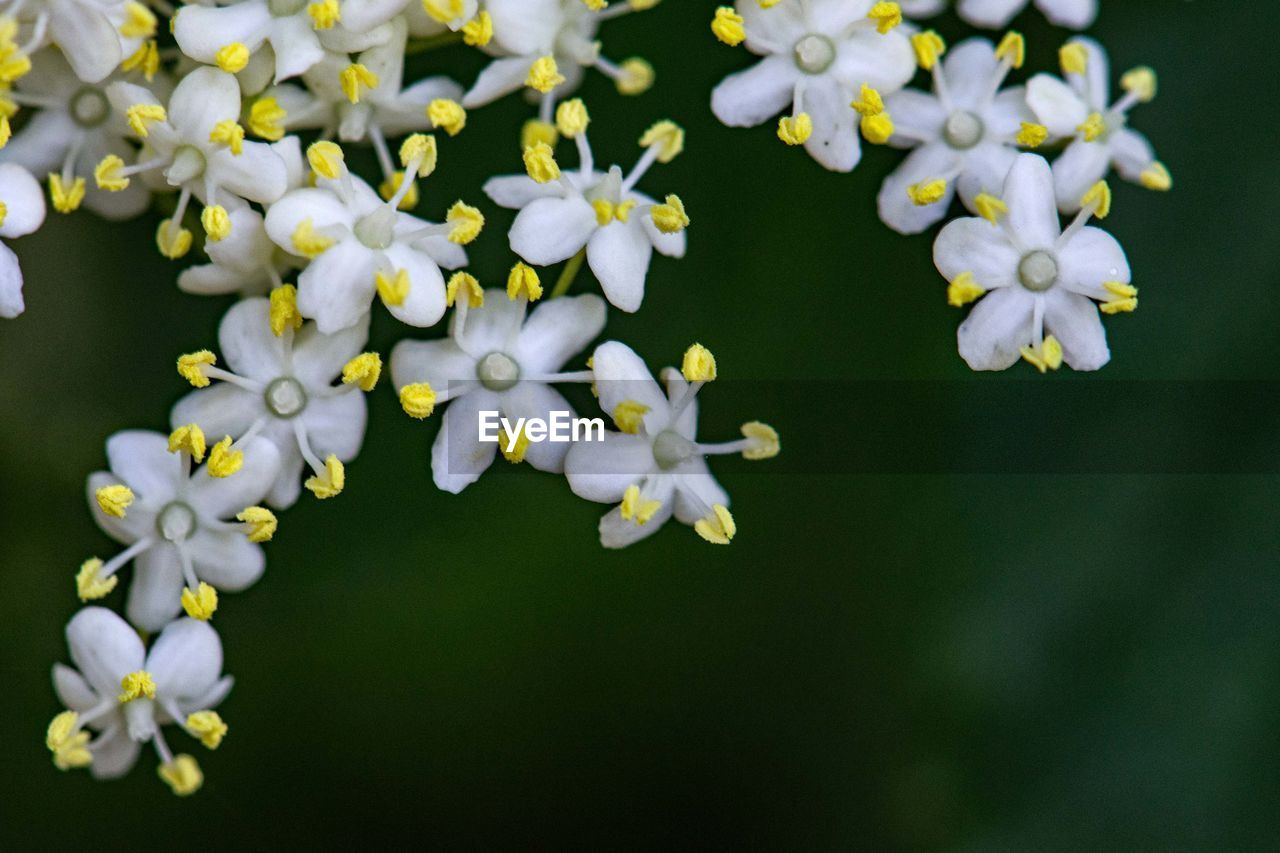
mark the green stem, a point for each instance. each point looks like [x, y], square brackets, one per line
[430, 43]
[570, 272]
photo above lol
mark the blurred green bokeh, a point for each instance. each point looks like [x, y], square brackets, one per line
[935, 661]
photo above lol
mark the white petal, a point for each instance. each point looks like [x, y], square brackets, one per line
[72, 689]
[986, 166]
[1075, 14]
[23, 200]
[227, 559]
[424, 305]
[1056, 105]
[617, 532]
[491, 327]
[1095, 85]
[249, 347]
[558, 330]
[156, 590]
[322, 207]
[104, 648]
[1028, 191]
[885, 62]
[1092, 257]
[897, 210]
[42, 144]
[1078, 168]
[992, 336]
[835, 142]
[257, 173]
[318, 359]
[619, 256]
[439, 363]
[11, 301]
[216, 498]
[970, 68]
[185, 660]
[1074, 321]
[114, 756]
[139, 521]
[201, 31]
[1131, 153]
[622, 376]
[917, 116]
[534, 400]
[748, 98]
[205, 97]
[517, 191]
[526, 26]
[551, 230]
[87, 37]
[976, 246]
[992, 14]
[601, 471]
[458, 457]
[696, 491]
[364, 15]
[142, 460]
[213, 697]
[407, 112]
[336, 425]
[336, 289]
[296, 46]
[221, 409]
[288, 487]
[500, 77]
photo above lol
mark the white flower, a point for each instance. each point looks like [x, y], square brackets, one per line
[995, 14]
[245, 262]
[817, 55]
[127, 694]
[280, 387]
[22, 203]
[298, 31]
[175, 522]
[600, 212]
[1081, 110]
[360, 246]
[967, 133]
[655, 466]
[200, 145]
[1037, 278]
[496, 360]
[547, 45]
[94, 35]
[70, 130]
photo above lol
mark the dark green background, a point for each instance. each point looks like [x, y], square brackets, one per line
[973, 662]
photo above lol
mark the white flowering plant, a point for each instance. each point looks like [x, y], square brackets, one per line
[237, 120]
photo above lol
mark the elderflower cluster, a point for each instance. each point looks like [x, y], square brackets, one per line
[236, 120]
[842, 69]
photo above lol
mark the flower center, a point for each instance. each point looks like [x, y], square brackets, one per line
[963, 129]
[497, 371]
[378, 229]
[285, 8]
[814, 54]
[89, 107]
[285, 397]
[671, 448]
[188, 164]
[176, 522]
[1038, 271]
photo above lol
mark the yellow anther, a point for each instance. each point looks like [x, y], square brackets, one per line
[795, 130]
[223, 461]
[1074, 58]
[447, 115]
[444, 11]
[642, 5]
[669, 136]
[393, 289]
[1093, 128]
[173, 242]
[142, 116]
[635, 508]
[6, 131]
[869, 102]
[886, 15]
[145, 59]
[284, 308]
[266, 119]
[4, 212]
[216, 222]
[13, 65]
[108, 174]
[572, 118]
[963, 290]
[1047, 357]
[114, 500]
[391, 186]
[544, 74]
[926, 193]
[1012, 49]
[139, 21]
[331, 482]
[308, 242]
[420, 148]
[325, 14]
[90, 585]
[467, 222]
[261, 523]
[137, 685]
[535, 131]
[478, 32]
[595, 5]
[604, 211]
[877, 129]
[61, 729]
[718, 527]
[418, 400]
[1126, 298]
[524, 281]
[230, 134]
[622, 210]
[69, 745]
[514, 451]
[363, 371]
[354, 77]
[764, 441]
[188, 439]
[1156, 177]
[207, 725]
[990, 208]
[200, 604]
[670, 218]
[65, 199]
[629, 416]
[540, 163]
[636, 78]
[1099, 198]
[182, 775]
[929, 47]
[1032, 135]
[232, 58]
[727, 26]
[1141, 82]
[466, 283]
[699, 365]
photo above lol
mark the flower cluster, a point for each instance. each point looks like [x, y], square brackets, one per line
[237, 119]
[843, 67]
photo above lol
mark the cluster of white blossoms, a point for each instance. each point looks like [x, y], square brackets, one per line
[236, 119]
[842, 68]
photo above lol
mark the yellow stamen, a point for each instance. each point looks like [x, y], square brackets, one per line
[1141, 82]
[1126, 298]
[572, 118]
[795, 130]
[926, 193]
[418, 400]
[1012, 49]
[447, 115]
[394, 289]
[990, 208]
[182, 775]
[172, 242]
[1032, 135]
[363, 371]
[65, 199]
[309, 242]
[230, 134]
[727, 26]
[326, 159]
[146, 59]
[514, 454]
[1074, 58]
[207, 725]
[466, 282]
[284, 308]
[90, 585]
[139, 21]
[325, 14]
[467, 222]
[540, 163]
[107, 174]
[189, 367]
[142, 116]
[1099, 198]
[963, 290]
[699, 365]
[202, 603]
[114, 500]
[1047, 357]
[669, 218]
[188, 439]
[443, 11]
[637, 76]
[137, 685]
[331, 482]
[422, 149]
[886, 15]
[388, 189]
[69, 745]
[232, 58]
[1156, 177]
[668, 135]
[929, 48]
[353, 78]
[718, 528]
[266, 119]
[765, 441]
[478, 32]
[524, 281]
[535, 131]
[629, 416]
[544, 74]
[636, 509]
[216, 222]
[261, 521]
[1093, 128]
[223, 461]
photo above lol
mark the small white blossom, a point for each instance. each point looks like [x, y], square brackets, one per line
[22, 203]
[996, 14]
[127, 694]
[1038, 284]
[496, 360]
[95, 36]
